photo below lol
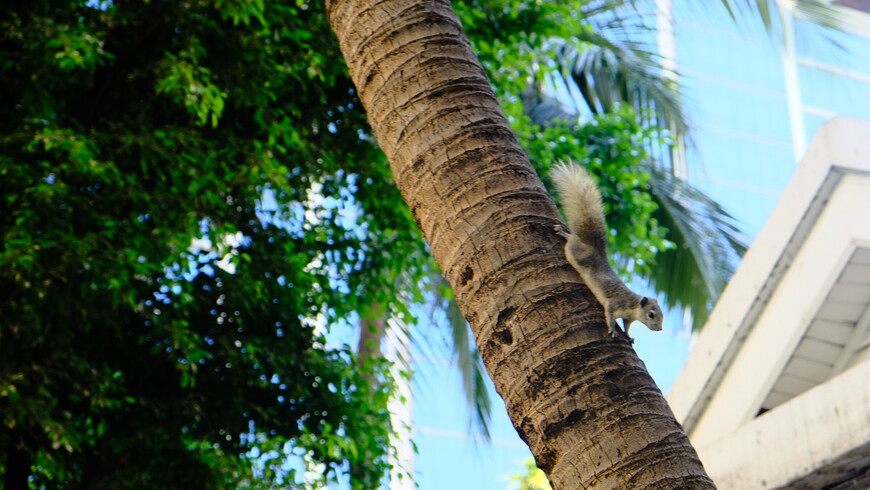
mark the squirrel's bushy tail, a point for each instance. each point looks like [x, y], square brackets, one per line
[581, 202]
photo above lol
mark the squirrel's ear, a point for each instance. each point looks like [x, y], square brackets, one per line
[644, 301]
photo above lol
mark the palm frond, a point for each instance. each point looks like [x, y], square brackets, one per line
[607, 75]
[616, 61]
[482, 403]
[820, 12]
[465, 356]
[472, 371]
[708, 245]
[543, 109]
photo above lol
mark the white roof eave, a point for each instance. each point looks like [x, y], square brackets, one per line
[832, 153]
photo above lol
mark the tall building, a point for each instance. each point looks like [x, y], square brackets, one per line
[756, 98]
[768, 393]
[774, 395]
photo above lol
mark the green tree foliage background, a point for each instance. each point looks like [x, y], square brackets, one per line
[130, 356]
[190, 195]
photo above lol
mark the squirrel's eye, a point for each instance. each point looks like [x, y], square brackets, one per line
[651, 315]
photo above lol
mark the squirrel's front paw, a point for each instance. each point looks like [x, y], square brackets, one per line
[616, 331]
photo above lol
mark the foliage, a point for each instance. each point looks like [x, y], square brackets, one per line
[184, 188]
[457, 337]
[613, 147]
[708, 246]
[821, 12]
[533, 479]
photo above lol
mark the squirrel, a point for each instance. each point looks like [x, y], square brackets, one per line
[586, 250]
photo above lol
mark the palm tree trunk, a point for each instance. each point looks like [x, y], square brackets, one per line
[585, 404]
[373, 332]
[372, 329]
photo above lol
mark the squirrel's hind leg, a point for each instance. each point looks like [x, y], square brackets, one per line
[612, 326]
[625, 326]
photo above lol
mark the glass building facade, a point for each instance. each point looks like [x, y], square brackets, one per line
[756, 98]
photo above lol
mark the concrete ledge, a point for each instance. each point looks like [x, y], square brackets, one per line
[838, 144]
[796, 439]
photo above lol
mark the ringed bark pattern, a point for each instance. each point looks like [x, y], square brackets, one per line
[584, 403]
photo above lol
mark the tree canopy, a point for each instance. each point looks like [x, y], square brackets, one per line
[180, 187]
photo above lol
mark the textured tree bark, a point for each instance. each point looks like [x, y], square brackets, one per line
[585, 404]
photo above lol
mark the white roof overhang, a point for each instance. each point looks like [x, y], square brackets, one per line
[795, 315]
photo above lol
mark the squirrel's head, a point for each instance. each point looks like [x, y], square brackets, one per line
[651, 314]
